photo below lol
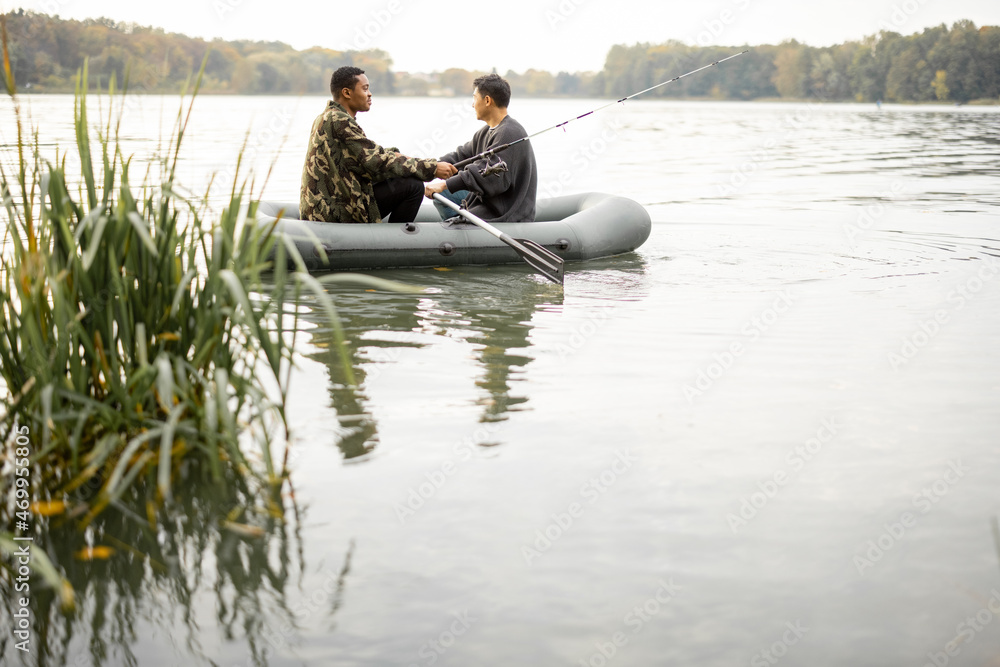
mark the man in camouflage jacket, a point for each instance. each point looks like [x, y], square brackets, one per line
[348, 177]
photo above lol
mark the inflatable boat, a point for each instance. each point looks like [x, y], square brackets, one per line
[575, 227]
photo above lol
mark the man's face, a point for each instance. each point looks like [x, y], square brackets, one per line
[479, 104]
[360, 98]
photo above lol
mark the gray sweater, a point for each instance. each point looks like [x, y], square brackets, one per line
[505, 196]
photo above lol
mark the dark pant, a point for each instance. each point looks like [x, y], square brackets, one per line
[400, 198]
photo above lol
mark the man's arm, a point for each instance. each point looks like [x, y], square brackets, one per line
[464, 151]
[370, 159]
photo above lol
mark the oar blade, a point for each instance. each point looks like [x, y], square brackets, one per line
[541, 259]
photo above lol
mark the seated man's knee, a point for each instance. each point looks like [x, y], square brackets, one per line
[414, 187]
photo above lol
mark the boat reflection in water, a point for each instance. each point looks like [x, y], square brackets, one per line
[489, 311]
[219, 562]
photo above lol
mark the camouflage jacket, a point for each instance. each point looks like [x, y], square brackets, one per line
[341, 166]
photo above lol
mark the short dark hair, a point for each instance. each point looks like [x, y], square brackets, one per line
[344, 77]
[496, 87]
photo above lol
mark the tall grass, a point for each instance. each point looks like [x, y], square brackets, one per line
[127, 324]
[134, 341]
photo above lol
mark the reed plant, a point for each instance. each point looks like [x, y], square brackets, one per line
[140, 341]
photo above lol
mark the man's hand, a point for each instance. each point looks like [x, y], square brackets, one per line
[441, 186]
[444, 170]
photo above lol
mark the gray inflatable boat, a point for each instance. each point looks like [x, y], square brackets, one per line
[575, 227]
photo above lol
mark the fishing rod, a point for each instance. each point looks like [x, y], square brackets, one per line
[500, 166]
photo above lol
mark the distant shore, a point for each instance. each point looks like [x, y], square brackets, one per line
[939, 65]
[768, 100]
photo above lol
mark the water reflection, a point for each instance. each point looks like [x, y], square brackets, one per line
[215, 573]
[170, 567]
[490, 311]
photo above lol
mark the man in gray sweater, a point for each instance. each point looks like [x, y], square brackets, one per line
[505, 195]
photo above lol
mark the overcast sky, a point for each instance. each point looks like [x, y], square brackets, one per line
[571, 35]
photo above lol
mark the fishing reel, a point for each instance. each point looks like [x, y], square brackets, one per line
[493, 169]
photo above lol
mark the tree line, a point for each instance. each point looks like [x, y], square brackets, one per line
[960, 63]
[46, 53]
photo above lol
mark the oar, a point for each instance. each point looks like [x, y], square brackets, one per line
[540, 258]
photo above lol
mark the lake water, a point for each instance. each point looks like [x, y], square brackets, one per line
[769, 435]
